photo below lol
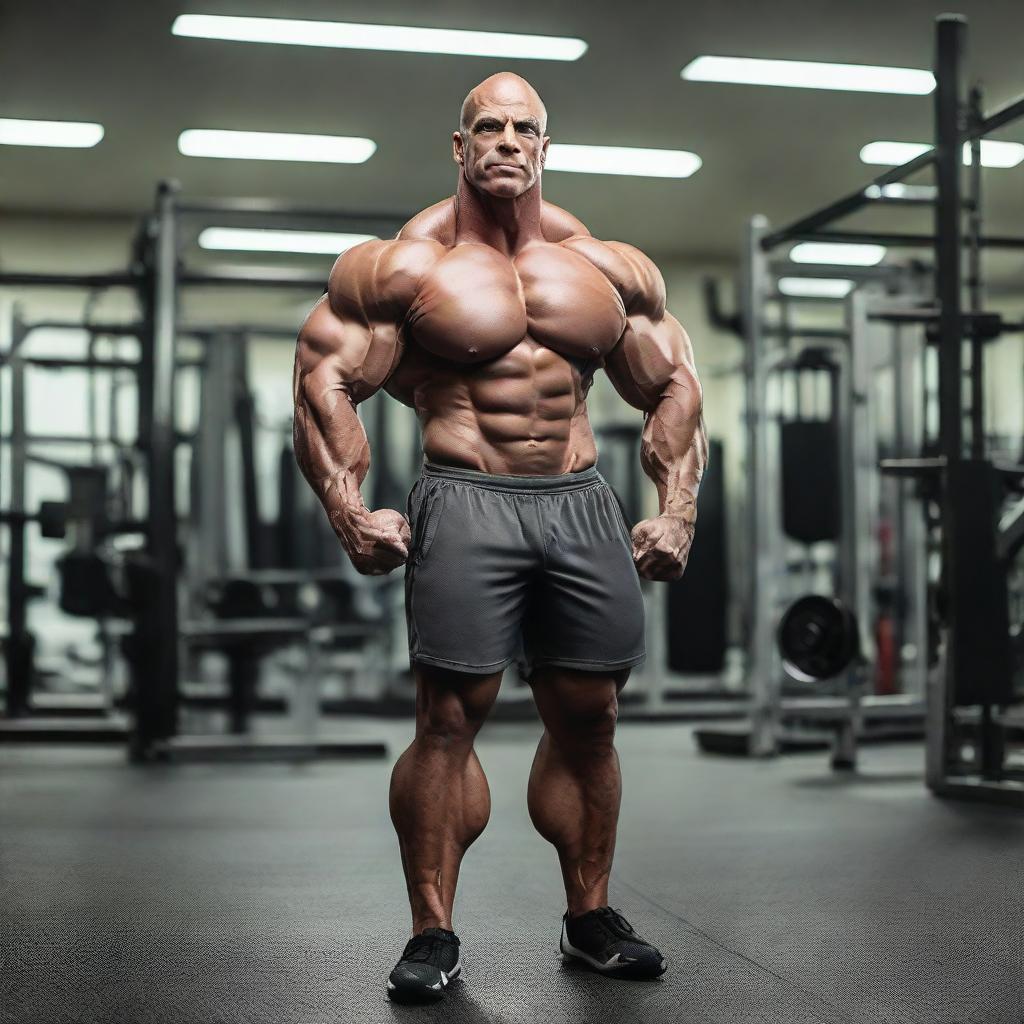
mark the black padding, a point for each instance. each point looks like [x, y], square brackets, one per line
[697, 604]
[86, 586]
[810, 480]
[981, 651]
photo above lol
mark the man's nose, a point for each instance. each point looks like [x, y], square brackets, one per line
[508, 137]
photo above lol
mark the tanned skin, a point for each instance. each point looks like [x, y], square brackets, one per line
[467, 317]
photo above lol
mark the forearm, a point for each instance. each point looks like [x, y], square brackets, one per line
[333, 453]
[674, 447]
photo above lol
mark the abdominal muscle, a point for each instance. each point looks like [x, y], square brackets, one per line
[524, 413]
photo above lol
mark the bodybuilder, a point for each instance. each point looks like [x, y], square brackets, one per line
[489, 314]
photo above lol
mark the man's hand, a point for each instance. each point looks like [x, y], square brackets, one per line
[661, 546]
[376, 542]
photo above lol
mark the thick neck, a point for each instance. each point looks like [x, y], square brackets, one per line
[504, 224]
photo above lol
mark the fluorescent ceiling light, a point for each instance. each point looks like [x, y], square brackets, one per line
[993, 154]
[651, 163]
[63, 134]
[265, 240]
[892, 153]
[804, 74]
[402, 38]
[815, 287]
[897, 190]
[997, 154]
[842, 253]
[334, 149]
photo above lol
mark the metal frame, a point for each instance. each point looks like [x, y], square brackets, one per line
[158, 277]
[959, 120]
[158, 730]
[771, 714]
[20, 724]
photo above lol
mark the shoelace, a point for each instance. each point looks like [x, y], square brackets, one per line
[616, 918]
[421, 948]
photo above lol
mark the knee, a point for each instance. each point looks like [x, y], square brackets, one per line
[588, 728]
[451, 719]
[446, 724]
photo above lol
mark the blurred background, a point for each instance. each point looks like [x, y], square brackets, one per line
[833, 193]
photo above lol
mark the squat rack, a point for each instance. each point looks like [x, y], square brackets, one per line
[157, 274]
[973, 683]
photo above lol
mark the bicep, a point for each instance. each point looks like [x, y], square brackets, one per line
[339, 352]
[652, 353]
[351, 339]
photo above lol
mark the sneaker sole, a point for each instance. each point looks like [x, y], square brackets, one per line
[423, 995]
[614, 967]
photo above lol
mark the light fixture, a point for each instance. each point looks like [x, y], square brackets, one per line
[402, 38]
[651, 163]
[805, 74]
[815, 287]
[842, 253]
[232, 145]
[58, 134]
[898, 190]
[993, 154]
[266, 240]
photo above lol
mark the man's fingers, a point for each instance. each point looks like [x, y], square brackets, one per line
[655, 564]
[393, 542]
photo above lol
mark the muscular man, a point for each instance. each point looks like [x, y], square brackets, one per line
[489, 314]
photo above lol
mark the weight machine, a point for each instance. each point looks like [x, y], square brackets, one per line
[811, 512]
[151, 575]
[978, 529]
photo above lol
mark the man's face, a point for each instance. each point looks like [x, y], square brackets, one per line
[502, 147]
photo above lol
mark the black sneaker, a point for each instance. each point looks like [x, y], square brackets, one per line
[605, 940]
[430, 960]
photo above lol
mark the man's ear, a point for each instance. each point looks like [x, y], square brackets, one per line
[544, 149]
[458, 149]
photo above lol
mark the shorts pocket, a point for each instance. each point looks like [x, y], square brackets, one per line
[428, 517]
[623, 525]
[410, 501]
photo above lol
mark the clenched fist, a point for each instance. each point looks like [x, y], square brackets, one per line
[661, 546]
[376, 542]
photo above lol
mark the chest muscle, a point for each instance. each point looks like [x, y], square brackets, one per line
[477, 304]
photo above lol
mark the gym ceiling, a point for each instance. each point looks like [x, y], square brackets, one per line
[779, 151]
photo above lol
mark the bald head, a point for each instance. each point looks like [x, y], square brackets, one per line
[500, 144]
[503, 92]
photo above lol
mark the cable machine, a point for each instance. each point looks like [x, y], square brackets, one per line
[153, 573]
[979, 527]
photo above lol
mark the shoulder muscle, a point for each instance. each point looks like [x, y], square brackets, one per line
[632, 272]
[436, 223]
[557, 224]
[377, 280]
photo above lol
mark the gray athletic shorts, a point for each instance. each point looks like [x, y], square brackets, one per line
[534, 569]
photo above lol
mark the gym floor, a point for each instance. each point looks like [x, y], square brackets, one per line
[778, 891]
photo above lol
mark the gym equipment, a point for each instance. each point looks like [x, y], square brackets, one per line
[151, 578]
[982, 669]
[818, 638]
[969, 685]
[810, 454]
[82, 517]
[87, 587]
[697, 604]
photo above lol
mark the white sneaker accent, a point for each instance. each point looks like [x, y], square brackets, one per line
[617, 961]
[445, 978]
